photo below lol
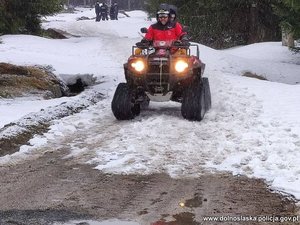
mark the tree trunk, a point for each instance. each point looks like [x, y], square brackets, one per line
[129, 8]
[254, 25]
[287, 39]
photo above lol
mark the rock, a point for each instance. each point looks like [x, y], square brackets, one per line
[55, 33]
[58, 34]
[83, 18]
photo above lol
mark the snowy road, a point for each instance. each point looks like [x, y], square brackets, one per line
[55, 189]
[233, 136]
[252, 128]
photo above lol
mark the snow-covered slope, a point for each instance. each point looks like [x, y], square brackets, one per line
[252, 128]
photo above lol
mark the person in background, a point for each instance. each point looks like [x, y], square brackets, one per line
[116, 10]
[111, 13]
[104, 11]
[97, 11]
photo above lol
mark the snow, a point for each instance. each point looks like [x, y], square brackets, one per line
[13, 109]
[252, 129]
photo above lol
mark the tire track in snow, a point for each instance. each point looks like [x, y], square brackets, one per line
[231, 137]
[160, 140]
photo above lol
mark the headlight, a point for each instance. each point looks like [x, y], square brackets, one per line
[181, 66]
[138, 65]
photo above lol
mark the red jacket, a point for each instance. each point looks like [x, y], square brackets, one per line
[168, 32]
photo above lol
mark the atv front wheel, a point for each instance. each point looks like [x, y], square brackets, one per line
[122, 106]
[193, 102]
[136, 109]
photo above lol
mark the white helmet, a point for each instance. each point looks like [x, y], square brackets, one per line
[162, 12]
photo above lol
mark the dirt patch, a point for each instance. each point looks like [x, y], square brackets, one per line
[17, 81]
[52, 184]
[13, 143]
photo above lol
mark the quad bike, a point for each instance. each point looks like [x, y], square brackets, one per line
[163, 71]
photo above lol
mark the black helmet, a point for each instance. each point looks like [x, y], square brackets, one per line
[173, 11]
[164, 6]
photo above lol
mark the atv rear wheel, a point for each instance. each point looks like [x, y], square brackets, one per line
[145, 103]
[122, 106]
[207, 94]
[193, 102]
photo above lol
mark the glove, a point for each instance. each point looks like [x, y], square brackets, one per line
[144, 43]
[177, 43]
[184, 38]
[144, 30]
[185, 41]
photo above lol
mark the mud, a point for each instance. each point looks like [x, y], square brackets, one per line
[57, 189]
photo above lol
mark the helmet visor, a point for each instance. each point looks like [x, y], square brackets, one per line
[163, 15]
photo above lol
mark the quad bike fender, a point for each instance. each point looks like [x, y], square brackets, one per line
[196, 62]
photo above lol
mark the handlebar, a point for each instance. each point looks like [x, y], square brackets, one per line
[144, 44]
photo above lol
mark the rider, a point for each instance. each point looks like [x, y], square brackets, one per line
[165, 30]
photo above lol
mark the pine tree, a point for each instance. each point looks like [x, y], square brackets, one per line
[20, 16]
[289, 12]
[2, 23]
[221, 24]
